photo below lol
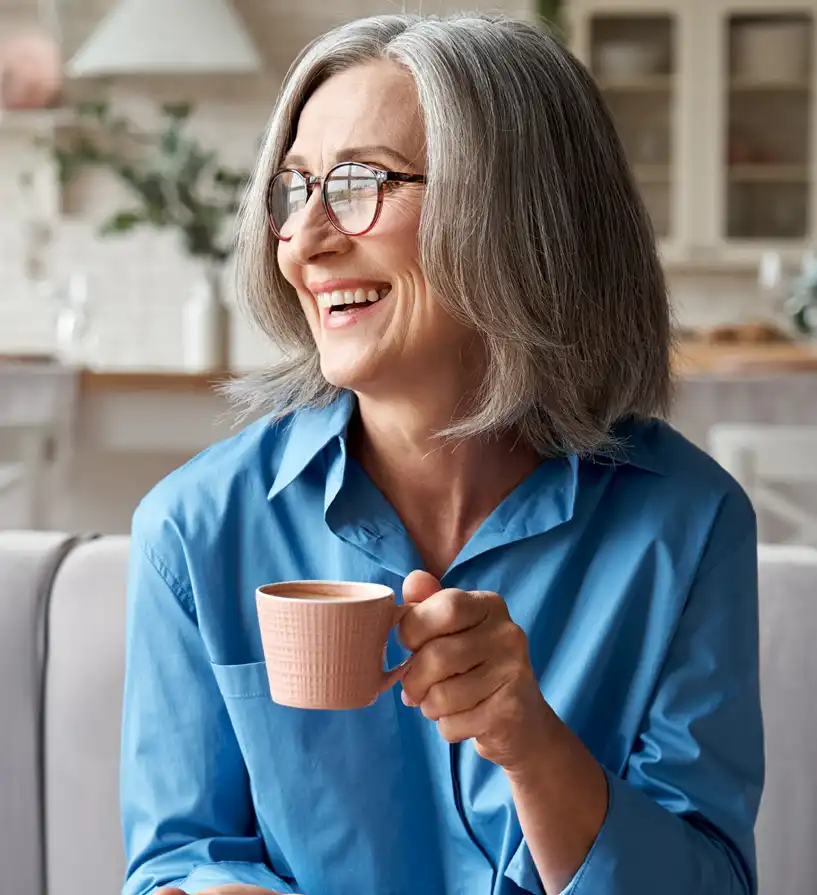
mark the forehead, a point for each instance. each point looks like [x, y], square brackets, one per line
[368, 105]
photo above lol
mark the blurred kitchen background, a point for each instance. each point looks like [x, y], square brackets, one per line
[128, 127]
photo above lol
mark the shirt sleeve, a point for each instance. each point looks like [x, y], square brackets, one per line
[187, 812]
[681, 817]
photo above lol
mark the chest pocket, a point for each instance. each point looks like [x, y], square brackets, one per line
[242, 681]
[331, 789]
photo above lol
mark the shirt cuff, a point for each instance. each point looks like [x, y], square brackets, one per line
[223, 873]
[642, 848]
[522, 869]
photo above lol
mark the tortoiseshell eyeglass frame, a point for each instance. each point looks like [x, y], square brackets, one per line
[311, 181]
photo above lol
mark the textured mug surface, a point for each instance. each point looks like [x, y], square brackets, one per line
[324, 642]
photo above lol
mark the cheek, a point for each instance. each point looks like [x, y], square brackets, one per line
[286, 266]
[398, 232]
[292, 274]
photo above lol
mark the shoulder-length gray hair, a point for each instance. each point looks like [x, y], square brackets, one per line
[532, 232]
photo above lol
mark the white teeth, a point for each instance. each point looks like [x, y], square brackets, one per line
[339, 297]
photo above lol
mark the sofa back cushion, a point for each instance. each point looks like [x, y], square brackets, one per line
[28, 562]
[83, 704]
[787, 825]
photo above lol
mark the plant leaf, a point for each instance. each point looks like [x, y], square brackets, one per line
[122, 222]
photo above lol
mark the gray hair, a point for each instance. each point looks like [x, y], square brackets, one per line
[532, 233]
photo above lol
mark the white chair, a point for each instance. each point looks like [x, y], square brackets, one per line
[786, 828]
[36, 412]
[764, 457]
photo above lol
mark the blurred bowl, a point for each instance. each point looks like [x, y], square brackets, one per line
[628, 60]
[772, 52]
[30, 72]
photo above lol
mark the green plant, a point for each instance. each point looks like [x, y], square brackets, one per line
[802, 303]
[174, 180]
[550, 10]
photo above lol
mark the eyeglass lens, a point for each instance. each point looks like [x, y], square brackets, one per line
[351, 196]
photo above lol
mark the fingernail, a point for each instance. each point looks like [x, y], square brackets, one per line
[406, 699]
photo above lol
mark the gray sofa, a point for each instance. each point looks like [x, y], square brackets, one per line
[61, 651]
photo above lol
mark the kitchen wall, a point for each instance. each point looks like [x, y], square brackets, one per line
[138, 283]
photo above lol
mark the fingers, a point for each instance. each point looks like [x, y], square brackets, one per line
[461, 694]
[419, 586]
[442, 658]
[470, 724]
[447, 612]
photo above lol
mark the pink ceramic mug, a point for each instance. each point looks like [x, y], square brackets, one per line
[325, 641]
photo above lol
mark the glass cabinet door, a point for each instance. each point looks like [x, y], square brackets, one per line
[633, 58]
[768, 125]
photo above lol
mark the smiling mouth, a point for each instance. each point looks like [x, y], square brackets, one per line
[350, 300]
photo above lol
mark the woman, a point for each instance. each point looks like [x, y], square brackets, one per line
[443, 234]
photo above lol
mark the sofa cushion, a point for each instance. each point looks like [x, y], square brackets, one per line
[787, 824]
[83, 698]
[28, 563]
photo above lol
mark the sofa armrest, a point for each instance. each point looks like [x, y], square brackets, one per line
[28, 564]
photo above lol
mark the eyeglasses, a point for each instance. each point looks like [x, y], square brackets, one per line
[351, 192]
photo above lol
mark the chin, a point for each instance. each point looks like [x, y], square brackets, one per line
[352, 376]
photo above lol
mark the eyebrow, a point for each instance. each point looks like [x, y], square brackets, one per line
[354, 154]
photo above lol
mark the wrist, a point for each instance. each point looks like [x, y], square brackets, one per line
[558, 768]
[538, 736]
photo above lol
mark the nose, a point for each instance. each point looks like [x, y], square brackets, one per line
[314, 234]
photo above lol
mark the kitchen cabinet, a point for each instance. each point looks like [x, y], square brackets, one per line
[715, 103]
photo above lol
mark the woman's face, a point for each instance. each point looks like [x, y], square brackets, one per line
[404, 340]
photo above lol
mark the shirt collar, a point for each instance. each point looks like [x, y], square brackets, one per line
[311, 430]
[638, 447]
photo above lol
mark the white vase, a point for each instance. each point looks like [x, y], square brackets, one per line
[206, 325]
[72, 322]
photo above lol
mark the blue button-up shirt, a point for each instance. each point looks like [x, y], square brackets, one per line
[634, 578]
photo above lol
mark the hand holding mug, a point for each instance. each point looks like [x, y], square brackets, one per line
[471, 670]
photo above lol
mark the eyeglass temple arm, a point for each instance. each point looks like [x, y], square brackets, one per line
[404, 178]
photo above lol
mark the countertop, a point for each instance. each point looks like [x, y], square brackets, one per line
[742, 359]
[692, 358]
[149, 381]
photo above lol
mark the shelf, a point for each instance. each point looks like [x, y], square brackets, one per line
[769, 174]
[653, 173]
[734, 257]
[34, 122]
[647, 84]
[742, 85]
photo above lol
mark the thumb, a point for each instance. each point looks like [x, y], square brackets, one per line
[170, 890]
[419, 586]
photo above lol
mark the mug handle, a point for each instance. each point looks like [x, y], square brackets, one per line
[391, 677]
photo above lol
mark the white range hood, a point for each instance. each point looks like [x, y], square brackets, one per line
[151, 37]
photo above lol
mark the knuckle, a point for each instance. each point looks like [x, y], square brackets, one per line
[447, 731]
[516, 638]
[452, 605]
[496, 608]
[432, 705]
[406, 633]
[436, 660]
[462, 655]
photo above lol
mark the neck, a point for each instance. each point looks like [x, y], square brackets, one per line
[442, 492]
